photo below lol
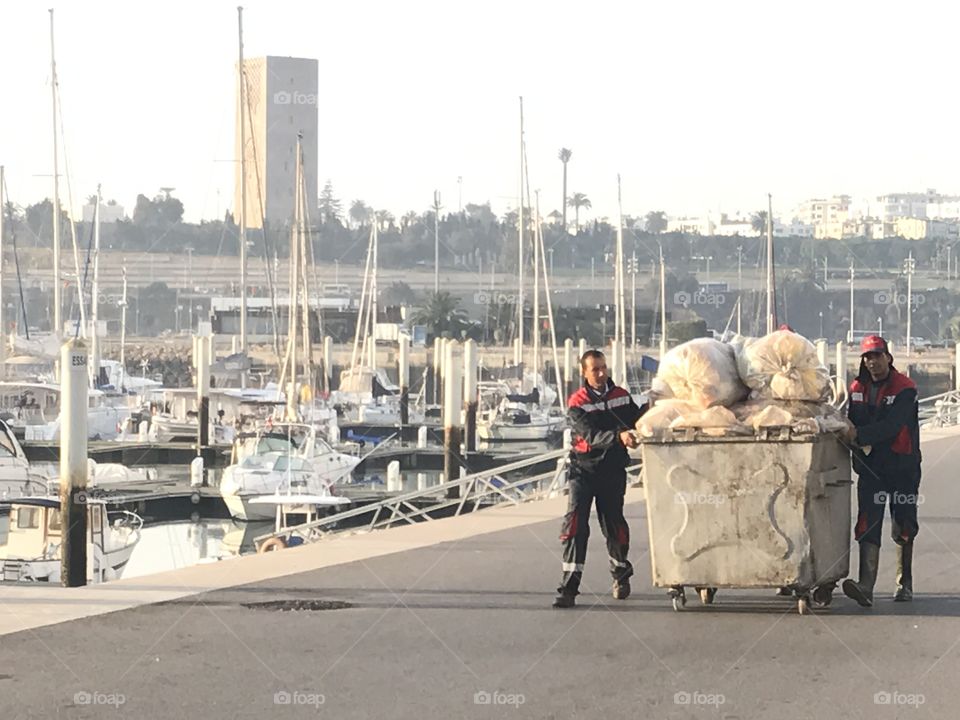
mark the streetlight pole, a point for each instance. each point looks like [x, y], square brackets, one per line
[850, 338]
[910, 264]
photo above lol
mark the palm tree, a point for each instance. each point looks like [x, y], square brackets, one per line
[442, 315]
[577, 201]
[408, 219]
[656, 221]
[384, 219]
[564, 156]
[360, 212]
[758, 221]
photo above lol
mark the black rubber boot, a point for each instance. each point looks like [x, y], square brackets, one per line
[862, 591]
[904, 591]
[621, 589]
[565, 599]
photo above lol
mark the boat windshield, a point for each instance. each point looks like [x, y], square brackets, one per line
[7, 448]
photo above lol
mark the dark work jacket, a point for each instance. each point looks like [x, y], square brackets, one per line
[597, 419]
[889, 425]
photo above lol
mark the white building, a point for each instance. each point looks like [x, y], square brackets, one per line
[282, 96]
[109, 213]
[916, 205]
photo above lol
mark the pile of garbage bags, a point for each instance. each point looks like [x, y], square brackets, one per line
[742, 388]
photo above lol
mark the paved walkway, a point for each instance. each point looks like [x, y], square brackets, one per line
[452, 619]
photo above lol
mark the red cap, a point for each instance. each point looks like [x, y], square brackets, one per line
[873, 343]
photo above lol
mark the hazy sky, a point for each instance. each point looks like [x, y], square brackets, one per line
[698, 105]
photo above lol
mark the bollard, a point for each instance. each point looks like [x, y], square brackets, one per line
[437, 359]
[956, 371]
[470, 395]
[403, 363]
[841, 369]
[327, 363]
[73, 463]
[582, 348]
[421, 437]
[394, 481]
[568, 373]
[196, 472]
[422, 482]
[822, 353]
[202, 363]
[452, 408]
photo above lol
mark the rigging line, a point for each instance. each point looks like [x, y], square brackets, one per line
[73, 225]
[86, 265]
[261, 208]
[23, 303]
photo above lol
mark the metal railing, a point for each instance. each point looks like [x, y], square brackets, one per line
[941, 410]
[455, 497]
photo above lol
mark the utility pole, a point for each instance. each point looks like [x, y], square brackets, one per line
[520, 251]
[436, 242]
[73, 464]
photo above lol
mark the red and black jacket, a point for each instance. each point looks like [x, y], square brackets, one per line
[885, 414]
[597, 419]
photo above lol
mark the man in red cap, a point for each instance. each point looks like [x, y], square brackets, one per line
[886, 435]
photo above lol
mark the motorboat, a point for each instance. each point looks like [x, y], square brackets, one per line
[252, 488]
[17, 478]
[31, 550]
[33, 411]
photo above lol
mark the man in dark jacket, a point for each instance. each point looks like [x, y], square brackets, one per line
[886, 435]
[602, 416]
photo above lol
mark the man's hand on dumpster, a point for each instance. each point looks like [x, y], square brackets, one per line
[849, 433]
[629, 439]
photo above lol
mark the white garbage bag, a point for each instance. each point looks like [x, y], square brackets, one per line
[704, 372]
[783, 366]
[658, 418]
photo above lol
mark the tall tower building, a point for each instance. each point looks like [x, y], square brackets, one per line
[281, 101]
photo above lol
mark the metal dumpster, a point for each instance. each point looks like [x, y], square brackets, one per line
[748, 512]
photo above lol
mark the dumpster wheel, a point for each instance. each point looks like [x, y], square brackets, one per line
[706, 594]
[678, 597]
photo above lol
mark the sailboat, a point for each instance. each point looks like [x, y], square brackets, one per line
[520, 415]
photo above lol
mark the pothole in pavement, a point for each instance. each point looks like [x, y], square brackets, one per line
[288, 605]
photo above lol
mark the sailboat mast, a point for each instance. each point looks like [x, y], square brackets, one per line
[771, 287]
[519, 358]
[535, 329]
[95, 296]
[663, 307]
[123, 332]
[57, 320]
[304, 275]
[242, 209]
[3, 326]
[619, 299]
[372, 334]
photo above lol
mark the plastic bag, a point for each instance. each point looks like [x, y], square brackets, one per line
[703, 372]
[782, 366]
[658, 418]
[714, 417]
